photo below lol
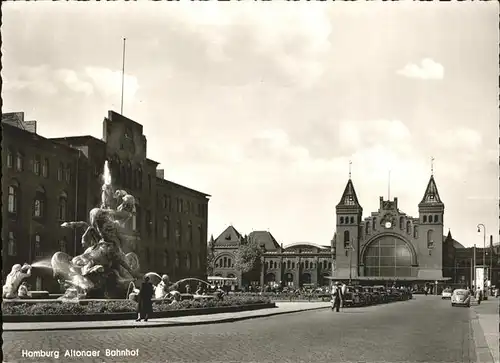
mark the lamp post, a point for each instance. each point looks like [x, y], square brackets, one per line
[351, 250]
[484, 246]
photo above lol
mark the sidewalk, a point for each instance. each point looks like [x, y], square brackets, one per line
[485, 324]
[282, 308]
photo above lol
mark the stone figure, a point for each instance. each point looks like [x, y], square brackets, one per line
[14, 279]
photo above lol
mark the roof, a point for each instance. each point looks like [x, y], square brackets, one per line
[455, 243]
[431, 195]
[349, 197]
[307, 244]
[230, 236]
[266, 238]
[163, 180]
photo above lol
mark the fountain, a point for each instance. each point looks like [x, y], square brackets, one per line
[103, 270]
[14, 280]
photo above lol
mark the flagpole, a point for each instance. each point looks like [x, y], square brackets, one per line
[123, 74]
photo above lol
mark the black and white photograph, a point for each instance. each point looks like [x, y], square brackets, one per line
[250, 181]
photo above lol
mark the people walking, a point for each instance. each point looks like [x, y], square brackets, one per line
[145, 306]
[337, 297]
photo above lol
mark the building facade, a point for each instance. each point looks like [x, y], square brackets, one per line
[293, 265]
[48, 181]
[389, 245]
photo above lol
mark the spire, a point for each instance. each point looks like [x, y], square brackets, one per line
[431, 195]
[449, 235]
[349, 197]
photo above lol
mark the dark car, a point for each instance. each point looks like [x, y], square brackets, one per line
[384, 296]
[371, 296]
[352, 297]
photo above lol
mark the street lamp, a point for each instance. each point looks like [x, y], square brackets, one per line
[351, 250]
[484, 245]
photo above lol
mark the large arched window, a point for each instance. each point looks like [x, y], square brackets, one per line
[10, 159]
[367, 227]
[401, 223]
[13, 198]
[37, 165]
[408, 227]
[415, 232]
[12, 250]
[374, 223]
[39, 203]
[388, 257]
[430, 240]
[63, 206]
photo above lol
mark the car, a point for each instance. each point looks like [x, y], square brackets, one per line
[446, 294]
[371, 296]
[352, 297]
[382, 291]
[461, 297]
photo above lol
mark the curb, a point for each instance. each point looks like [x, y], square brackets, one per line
[170, 324]
[483, 353]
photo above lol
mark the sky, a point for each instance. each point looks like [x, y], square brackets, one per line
[263, 105]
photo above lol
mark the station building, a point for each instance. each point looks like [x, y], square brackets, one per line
[390, 246]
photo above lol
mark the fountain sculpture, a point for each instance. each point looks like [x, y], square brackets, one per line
[103, 270]
[14, 279]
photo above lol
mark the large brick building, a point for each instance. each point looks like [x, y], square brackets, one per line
[47, 181]
[390, 245]
[293, 265]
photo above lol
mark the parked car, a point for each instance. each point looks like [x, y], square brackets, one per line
[446, 294]
[371, 296]
[382, 291]
[461, 297]
[352, 297]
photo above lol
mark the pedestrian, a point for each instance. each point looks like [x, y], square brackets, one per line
[145, 306]
[337, 297]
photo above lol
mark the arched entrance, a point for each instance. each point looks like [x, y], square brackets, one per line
[305, 278]
[270, 277]
[325, 281]
[388, 256]
[288, 279]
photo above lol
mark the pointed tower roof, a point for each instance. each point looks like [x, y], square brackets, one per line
[431, 196]
[349, 197]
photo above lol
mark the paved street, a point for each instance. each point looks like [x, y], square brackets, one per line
[425, 329]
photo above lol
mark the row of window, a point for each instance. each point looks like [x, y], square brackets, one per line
[186, 258]
[179, 231]
[12, 246]
[347, 220]
[128, 177]
[39, 167]
[39, 202]
[224, 262]
[183, 206]
[303, 264]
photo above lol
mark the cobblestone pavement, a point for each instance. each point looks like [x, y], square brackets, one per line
[426, 329]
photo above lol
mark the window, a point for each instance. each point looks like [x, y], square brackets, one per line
[352, 220]
[425, 219]
[39, 203]
[19, 162]
[134, 222]
[169, 203]
[190, 232]
[177, 260]
[325, 264]
[164, 201]
[10, 159]
[68, 173]
[347, 239]
[293, 265]
[63, 205]
[408, 227]
[307, 264]
[198, 261]
[60, 170]
[38, 247]
[139, 178]
[137, 222]
[367, 227]
[178, 232]
[12, 202]
[415, 232]
[401, 223]
[36, 165]
[374, 223]
[430, 219]
[341, 220]
[166, 227]
[329, 265]
[12, 250]
[430, 240]
[63, 245]
[436, 218]
[130, 177]
[388, 257]
[149, 222]
[45, 168]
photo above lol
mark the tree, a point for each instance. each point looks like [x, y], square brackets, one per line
[248, 255]
[211, 256]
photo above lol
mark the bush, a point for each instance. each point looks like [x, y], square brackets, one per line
[125, 306]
